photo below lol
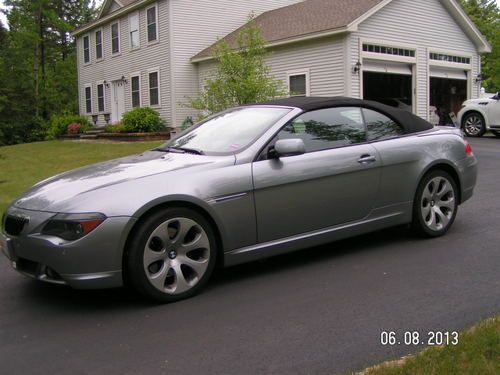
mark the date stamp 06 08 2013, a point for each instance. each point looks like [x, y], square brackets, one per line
[431, 338]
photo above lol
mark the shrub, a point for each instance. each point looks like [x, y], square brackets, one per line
[115, 128]
[142, 120]
[60, 123]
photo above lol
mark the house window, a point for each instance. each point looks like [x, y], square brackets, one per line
[395, 51]
[100, 97]
[154, 88]
[88, 99]
[449, 58]
[135, 88]
[86, 49]
[298, 84]
[152, 23]
[134, 30]
[115, 38]
[98, 44]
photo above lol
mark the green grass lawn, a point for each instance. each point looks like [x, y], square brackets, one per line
[477, 353]
[23, 165]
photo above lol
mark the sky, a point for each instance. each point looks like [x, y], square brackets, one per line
[4, 21]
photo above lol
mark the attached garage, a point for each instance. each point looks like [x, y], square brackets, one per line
[449, 85]
[423, 56]
[389, 73]
[391, 83]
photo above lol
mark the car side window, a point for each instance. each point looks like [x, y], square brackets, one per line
[327, 128]
[380, 126]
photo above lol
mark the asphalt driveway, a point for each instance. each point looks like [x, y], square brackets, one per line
[317, 311]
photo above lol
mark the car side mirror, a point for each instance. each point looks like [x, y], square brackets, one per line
[289, 147]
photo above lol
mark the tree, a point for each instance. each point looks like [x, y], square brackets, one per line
[486, 16]
[242, 76]
[38, 64]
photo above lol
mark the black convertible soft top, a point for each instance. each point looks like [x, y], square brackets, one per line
[410, 122]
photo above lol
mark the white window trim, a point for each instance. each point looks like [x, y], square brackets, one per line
[136, 13]
[90, 49]
[448, 63]
[387, 57]
[155, 5]
[103, 95]
[89, 85]
[299, 73]
[387, 43]
[119, 38]
[155, 70]
[132, 75]
[102, 44]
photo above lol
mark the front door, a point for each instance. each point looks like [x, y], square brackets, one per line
[117, 101]
[334, 182]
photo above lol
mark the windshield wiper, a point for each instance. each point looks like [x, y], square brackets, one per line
[180, 150]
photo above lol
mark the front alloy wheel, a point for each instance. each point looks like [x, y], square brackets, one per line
[473, 125]
[435, 205]
[173, 255]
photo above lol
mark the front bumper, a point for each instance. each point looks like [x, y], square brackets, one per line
[92, 262]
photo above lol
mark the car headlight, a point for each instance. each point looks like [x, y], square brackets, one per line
[71, 227]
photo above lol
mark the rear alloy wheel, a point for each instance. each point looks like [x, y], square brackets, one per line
[172, 255]
[435, 206]
[473, 125]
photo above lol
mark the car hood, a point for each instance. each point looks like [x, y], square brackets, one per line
[70, 185]
[478, 101]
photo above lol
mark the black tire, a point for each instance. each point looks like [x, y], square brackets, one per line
[138, 276]
[496, 133]
[425, 227]
[473, 124]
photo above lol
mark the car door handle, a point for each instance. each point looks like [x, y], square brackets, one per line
[365, 159]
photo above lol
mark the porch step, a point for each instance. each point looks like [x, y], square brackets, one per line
[95, 131]
[89, 136]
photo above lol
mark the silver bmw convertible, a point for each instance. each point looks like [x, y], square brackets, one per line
[251, 182]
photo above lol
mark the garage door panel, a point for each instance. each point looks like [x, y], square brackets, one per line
[439, 72]
[387, 67]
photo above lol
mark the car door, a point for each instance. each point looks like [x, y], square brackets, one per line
[494, 111]
[334, 182]
[400, 156]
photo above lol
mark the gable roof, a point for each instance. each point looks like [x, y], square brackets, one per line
[106, 7]
[106, 14]
[309, 17]
[316, 18]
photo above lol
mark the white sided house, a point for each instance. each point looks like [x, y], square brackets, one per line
[422, 55]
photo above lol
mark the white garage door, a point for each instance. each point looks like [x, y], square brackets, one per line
[380, 66]
[439, 72]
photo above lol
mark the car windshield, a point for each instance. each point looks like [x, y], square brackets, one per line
[230, 131]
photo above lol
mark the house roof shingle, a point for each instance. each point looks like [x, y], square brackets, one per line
[300, 19]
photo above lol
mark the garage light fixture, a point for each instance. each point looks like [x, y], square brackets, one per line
[479, 78]
[357, 68]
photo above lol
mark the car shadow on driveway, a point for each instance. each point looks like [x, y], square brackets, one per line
[331, 252]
